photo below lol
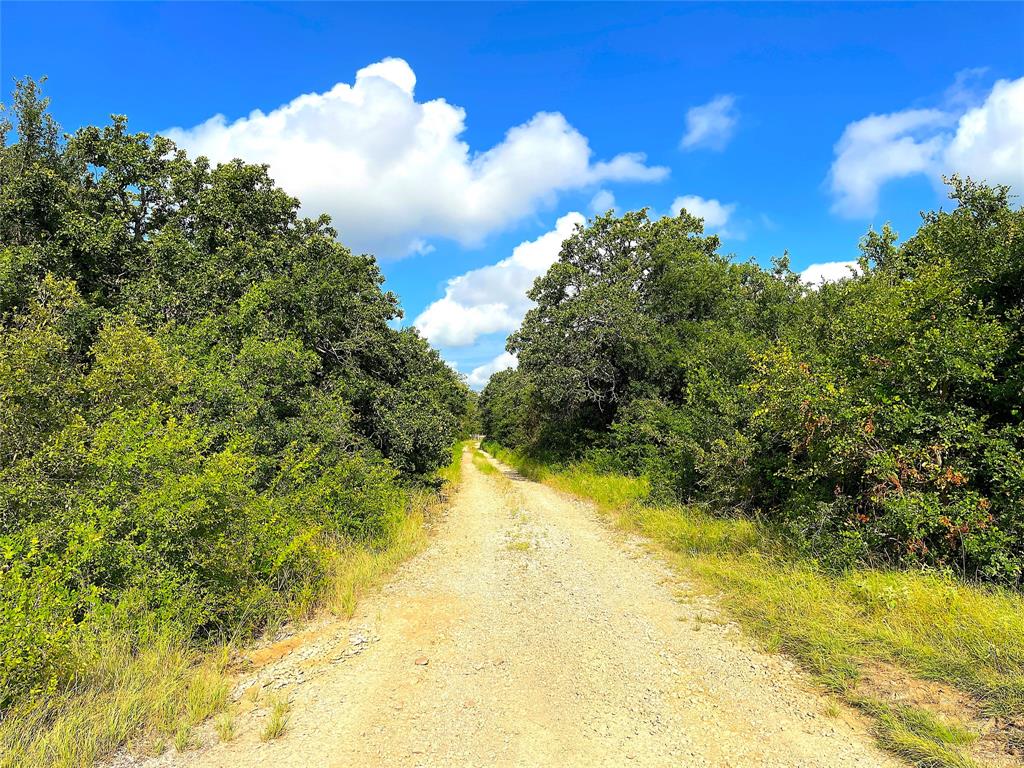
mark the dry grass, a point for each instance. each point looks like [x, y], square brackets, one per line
[152, 695]
[360, 568]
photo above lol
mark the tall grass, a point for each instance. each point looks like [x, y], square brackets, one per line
[524, 464]
[358, 568]
[919, 736]
[933, 626]
[152, 694]
[149, 694]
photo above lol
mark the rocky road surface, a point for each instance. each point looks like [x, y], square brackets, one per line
[530, 633]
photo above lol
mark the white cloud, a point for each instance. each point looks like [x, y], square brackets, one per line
[393, 172]
[828, 272]
[711, 125]
[986, 142]
[480, 375]
[493, 298]
[989, 140]
[602, 202]
[881, 148]
[716, 215]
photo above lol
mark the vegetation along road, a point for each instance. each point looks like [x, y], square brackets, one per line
[212, 427]
[529, 633]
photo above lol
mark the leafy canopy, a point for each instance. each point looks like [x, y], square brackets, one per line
[877, 418]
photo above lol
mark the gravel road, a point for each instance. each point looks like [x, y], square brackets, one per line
[529, 633]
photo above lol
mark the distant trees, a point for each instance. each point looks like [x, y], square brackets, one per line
[200, 393]
[874, 418]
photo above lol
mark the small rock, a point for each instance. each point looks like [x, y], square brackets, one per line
[422, 661]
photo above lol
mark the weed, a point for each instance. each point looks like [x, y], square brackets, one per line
[277, 720]
[183, 738]
[225, 725]
[700, 620]
[919, 736]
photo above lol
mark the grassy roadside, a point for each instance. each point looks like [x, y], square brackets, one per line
[480, 462]
[152, 695]
[936, 663]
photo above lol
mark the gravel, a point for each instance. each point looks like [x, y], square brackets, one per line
[574, 647]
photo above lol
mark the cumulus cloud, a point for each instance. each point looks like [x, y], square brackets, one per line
[393, 172]
[480, 375]
[881, 148]
[985, 141]
[716, 215]
[989, 139]
[493, 298]
[828, 272]
[711, 125]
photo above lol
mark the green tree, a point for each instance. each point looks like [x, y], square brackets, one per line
[877, 418]
[201, 395]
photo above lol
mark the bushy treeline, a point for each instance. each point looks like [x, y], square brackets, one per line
[200, 395]
[878, 418]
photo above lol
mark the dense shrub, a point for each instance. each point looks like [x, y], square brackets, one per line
[200, 395]
[876, 418]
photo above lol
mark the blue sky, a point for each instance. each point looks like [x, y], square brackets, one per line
[807, 123]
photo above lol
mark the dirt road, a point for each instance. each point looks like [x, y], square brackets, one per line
[530, 634]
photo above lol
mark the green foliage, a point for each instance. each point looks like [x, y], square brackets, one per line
[504, 409]
[877, 419]
[201, 400]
